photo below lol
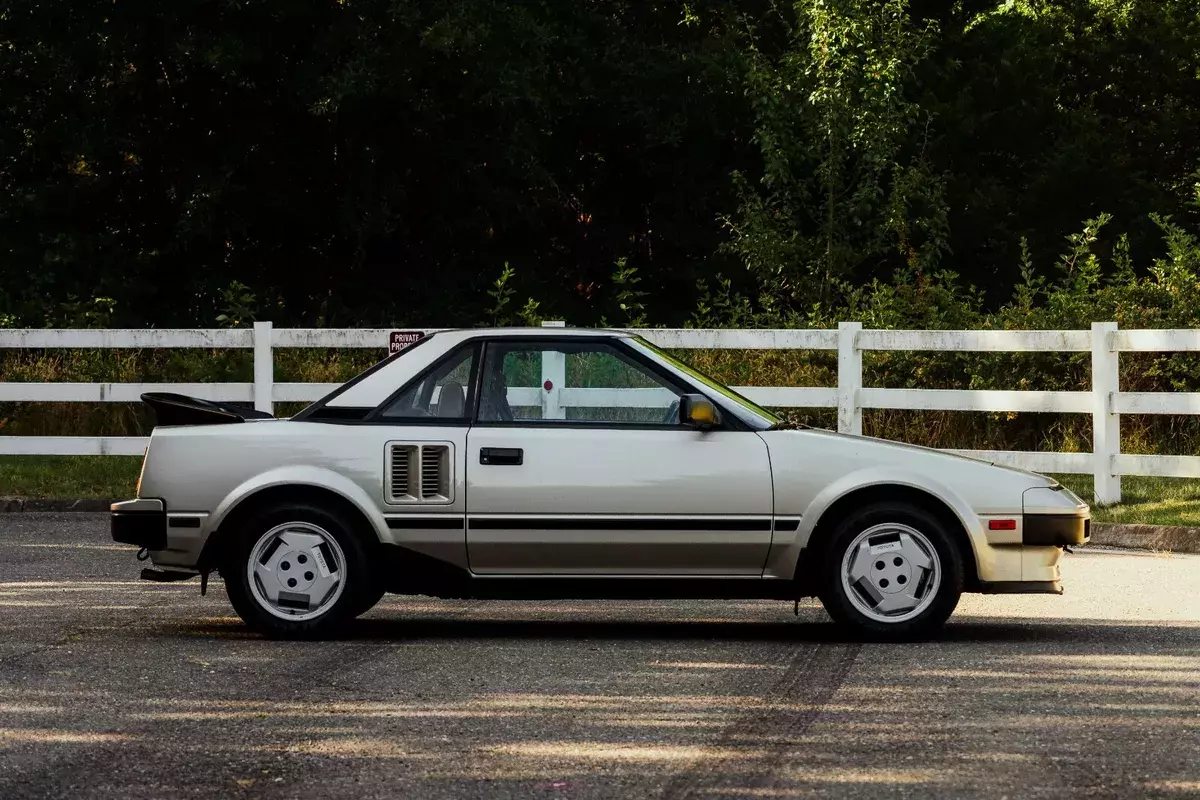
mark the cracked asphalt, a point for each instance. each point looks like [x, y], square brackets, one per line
[113, 687]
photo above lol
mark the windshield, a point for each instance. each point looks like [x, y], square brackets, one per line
[749, 405]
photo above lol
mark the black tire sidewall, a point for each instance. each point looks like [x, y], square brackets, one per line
[949, 553]
[358, 582]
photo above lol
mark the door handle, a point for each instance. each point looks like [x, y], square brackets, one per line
[502, 456]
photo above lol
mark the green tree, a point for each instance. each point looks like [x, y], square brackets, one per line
[842, 187]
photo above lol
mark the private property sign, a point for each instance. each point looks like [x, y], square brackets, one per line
[398, 340]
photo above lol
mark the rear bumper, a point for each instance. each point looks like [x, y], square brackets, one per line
[140, 522]
[1055, 530]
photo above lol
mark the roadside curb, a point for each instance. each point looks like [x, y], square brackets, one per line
[13, 504]
[1173, 538]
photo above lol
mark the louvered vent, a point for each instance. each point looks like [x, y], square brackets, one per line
[434, 472]
[419, 472]
[402, 472]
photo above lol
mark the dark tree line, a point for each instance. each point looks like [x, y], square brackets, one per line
[367, 162]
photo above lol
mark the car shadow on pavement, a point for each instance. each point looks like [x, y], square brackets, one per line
[972, 630]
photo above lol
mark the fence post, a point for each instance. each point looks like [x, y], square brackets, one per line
[1106, 425]
[554, 375]
[849, 378]
[264, 368]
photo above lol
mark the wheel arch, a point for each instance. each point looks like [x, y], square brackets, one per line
[947, 512]
[285, 488]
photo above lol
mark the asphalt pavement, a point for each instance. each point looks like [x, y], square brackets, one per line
[113, 687]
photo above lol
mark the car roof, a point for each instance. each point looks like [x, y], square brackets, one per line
[463, 334]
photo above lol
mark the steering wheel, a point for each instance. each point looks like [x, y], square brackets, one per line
[672, 416]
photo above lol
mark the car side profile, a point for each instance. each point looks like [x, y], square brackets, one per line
[570, 463]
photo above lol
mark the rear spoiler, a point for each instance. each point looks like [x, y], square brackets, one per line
[178, 409]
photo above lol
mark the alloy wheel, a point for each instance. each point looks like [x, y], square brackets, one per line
[891, 572]
[296, 571]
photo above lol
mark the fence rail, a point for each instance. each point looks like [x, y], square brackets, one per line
[1105, 402]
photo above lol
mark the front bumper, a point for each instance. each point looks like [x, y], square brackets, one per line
[1055, 530]
[141, 522]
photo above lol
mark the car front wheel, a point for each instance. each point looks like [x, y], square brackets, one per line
[891, 571]
[297, 572]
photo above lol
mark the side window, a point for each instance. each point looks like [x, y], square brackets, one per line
[445, 392]
[568, 382]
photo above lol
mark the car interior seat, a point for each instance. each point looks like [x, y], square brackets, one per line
[452, 402]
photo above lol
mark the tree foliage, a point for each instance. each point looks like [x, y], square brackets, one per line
[838, 189]
[371, 162]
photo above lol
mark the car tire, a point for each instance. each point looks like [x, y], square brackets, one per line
[891, 572]
[298, 571]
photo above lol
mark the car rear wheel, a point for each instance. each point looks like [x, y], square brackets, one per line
[298, 572]
[891, 571]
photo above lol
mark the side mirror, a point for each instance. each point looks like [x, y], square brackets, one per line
[699, 412]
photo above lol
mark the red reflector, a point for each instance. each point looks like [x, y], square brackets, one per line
[1002, 524]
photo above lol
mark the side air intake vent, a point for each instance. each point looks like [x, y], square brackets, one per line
[419, 472]
[402, 473]
[435, 472]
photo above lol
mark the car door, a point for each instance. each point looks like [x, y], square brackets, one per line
[577, 464]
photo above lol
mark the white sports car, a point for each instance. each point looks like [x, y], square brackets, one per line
[564, 463]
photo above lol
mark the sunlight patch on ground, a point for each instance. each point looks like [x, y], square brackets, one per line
[1096, 587]
[713, 665]
[29, 708]
[617, 751]
[1191, 787]
[882, 776]
[59, 737]
[360, 747]
[125, 547]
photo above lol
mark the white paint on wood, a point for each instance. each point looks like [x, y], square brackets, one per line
[73, 445]
[1157, 403]
[554, 376]
[738, 339]
[1158, 341]
[977, 341]
[849, 378]
[339, 338]
[1106, 423]
[1161, 466]
[976, 400]
[113, 338]
[118, 392]
[264, 368]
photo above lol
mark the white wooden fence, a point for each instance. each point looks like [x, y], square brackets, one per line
[1105, 402]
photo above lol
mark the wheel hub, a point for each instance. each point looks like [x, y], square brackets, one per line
[296, 571]
[891, 573]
